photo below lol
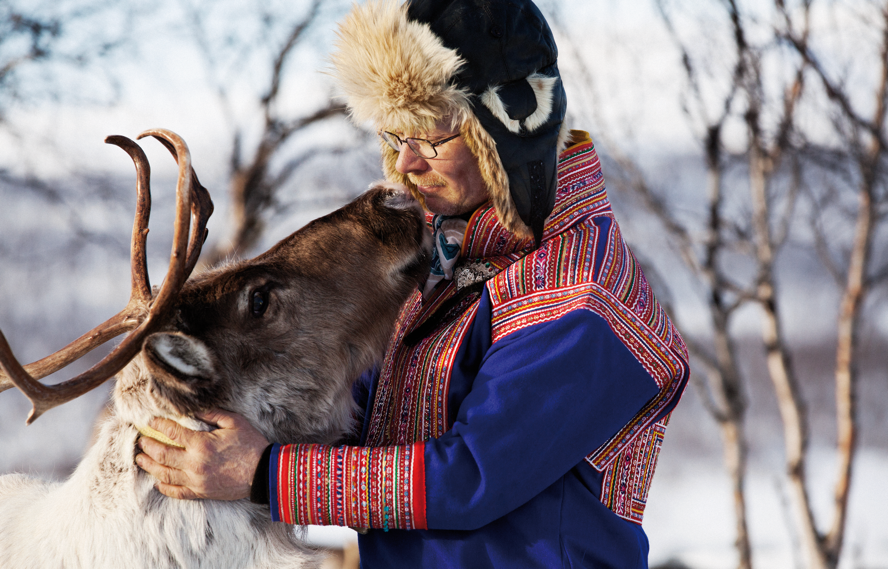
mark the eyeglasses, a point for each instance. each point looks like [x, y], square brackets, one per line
[420, 146]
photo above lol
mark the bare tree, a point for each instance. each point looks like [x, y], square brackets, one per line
[766, 153]
[40, 41]
[56, 52]
[863, 146]
[754, 82]
[722, 387]
[777, 153]
[258, 170]
[257, 59]
[724, 392]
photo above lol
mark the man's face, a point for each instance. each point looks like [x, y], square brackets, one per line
[451, 183]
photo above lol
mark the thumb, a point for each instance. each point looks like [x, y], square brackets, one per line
[221, 419]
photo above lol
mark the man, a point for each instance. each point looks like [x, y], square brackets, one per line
[518, 413]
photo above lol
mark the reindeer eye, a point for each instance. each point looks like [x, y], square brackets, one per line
[258, 302]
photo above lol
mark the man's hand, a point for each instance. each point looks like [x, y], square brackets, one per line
[216, 465]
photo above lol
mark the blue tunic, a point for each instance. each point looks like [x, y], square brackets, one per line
[512, 424]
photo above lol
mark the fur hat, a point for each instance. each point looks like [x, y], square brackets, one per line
[488, 65]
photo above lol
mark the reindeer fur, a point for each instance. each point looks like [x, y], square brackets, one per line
[334, 289]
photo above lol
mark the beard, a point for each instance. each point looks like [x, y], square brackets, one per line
[445, 198]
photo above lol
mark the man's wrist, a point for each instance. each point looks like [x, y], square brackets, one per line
[259, 493]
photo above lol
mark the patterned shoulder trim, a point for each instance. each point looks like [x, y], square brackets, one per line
[591, 268]
[658, 358]
[532, 288]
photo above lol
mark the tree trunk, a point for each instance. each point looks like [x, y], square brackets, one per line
[731, 420]
[789, 398]
[727, 382]
[735, 452]
[846, 351]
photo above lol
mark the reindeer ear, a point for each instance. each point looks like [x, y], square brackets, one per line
[182, 371]
[178, 356]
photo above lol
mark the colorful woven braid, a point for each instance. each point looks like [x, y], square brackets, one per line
[325, 485]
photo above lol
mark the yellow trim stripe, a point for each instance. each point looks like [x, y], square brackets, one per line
[157, 436]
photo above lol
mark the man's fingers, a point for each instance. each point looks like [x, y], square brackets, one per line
[171, 482]
[159, 472]
[177, 492]
[217, 465]
[152, 467]
[220, 418]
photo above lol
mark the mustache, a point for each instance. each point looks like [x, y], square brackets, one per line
[427, 180]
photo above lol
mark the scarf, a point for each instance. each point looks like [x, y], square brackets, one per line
[449, 234]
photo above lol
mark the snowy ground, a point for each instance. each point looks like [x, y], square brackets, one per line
[690, 516]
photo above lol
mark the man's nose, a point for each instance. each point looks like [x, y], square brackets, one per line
[409, 163]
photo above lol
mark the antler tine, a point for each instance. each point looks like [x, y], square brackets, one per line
[177, 273]
[141, 284]
[118, 324]
[45, 397]
[201, 200]
[201, 210]
[18, 376]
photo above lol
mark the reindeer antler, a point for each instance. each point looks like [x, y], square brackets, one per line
[143, 313]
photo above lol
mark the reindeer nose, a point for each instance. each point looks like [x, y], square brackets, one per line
[400, 197]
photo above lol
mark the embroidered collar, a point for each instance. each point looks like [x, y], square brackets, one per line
[578, 196]
[487, 247]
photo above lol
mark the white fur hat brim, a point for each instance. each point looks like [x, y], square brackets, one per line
[396, 73]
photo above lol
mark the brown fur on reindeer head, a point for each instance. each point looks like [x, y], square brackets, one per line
[280, 338]
[277, 338]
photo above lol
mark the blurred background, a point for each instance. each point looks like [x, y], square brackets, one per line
[744, 143]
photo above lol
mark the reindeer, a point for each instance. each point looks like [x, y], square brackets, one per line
[278, 339]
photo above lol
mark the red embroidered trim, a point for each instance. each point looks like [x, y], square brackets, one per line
[357, 487]
[411, 403]
[658, 359]
[627, 480]
[562, 276]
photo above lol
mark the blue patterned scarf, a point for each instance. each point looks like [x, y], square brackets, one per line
[449, 234]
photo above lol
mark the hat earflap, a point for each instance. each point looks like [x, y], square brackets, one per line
[542, 87]
[483, 147]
